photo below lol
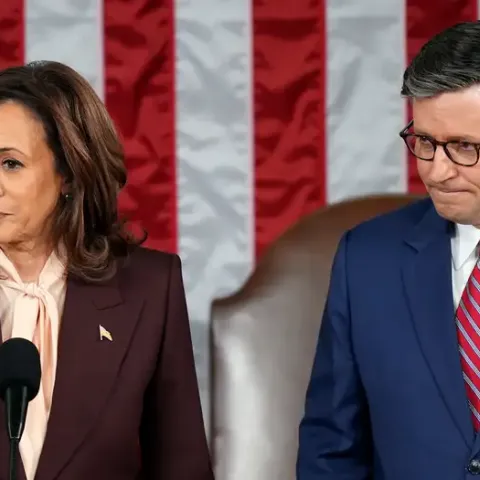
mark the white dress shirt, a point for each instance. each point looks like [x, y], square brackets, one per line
[464, 255]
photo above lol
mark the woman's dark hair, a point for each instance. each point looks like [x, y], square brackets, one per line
[88, 154]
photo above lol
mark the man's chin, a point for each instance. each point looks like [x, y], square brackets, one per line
[457, 213]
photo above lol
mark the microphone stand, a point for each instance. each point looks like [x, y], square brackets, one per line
[12, 470]
[16, 402]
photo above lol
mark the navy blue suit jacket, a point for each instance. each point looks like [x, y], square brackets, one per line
[386, 399]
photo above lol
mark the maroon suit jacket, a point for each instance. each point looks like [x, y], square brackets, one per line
[127, 409]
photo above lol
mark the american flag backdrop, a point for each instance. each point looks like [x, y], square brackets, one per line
[239, 116]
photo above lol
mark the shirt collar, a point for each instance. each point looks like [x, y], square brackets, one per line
[53, 270]
[464, 243]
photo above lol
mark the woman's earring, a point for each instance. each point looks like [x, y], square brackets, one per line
[67, 196]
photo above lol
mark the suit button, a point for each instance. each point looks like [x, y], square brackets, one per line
[474, 467]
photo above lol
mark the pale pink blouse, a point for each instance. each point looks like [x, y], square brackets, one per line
[33, 311]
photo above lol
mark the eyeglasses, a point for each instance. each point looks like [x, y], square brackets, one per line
[424, 147]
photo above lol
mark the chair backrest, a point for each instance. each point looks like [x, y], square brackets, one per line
[263, 341]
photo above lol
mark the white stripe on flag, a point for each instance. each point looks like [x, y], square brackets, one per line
[214, 158]
[366, 59]
[69, 32]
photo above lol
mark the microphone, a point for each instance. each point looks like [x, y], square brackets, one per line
[20, 374]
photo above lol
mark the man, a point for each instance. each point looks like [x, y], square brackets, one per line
[395, 387]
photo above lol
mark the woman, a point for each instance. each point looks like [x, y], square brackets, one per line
[119, 392]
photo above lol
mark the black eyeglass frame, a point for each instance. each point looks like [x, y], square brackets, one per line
[436, 143]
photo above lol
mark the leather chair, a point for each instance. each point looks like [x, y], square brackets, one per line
[263, 341]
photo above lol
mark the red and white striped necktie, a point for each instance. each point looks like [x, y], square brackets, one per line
[468, 333]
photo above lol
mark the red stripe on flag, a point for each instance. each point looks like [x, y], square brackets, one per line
[139, 94]
[12, 43]
[289, 49]
[425, 18]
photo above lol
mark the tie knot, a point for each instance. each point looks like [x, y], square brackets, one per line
[33, 290]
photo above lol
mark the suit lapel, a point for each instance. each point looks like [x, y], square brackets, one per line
[87, 367]
[428, 285]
